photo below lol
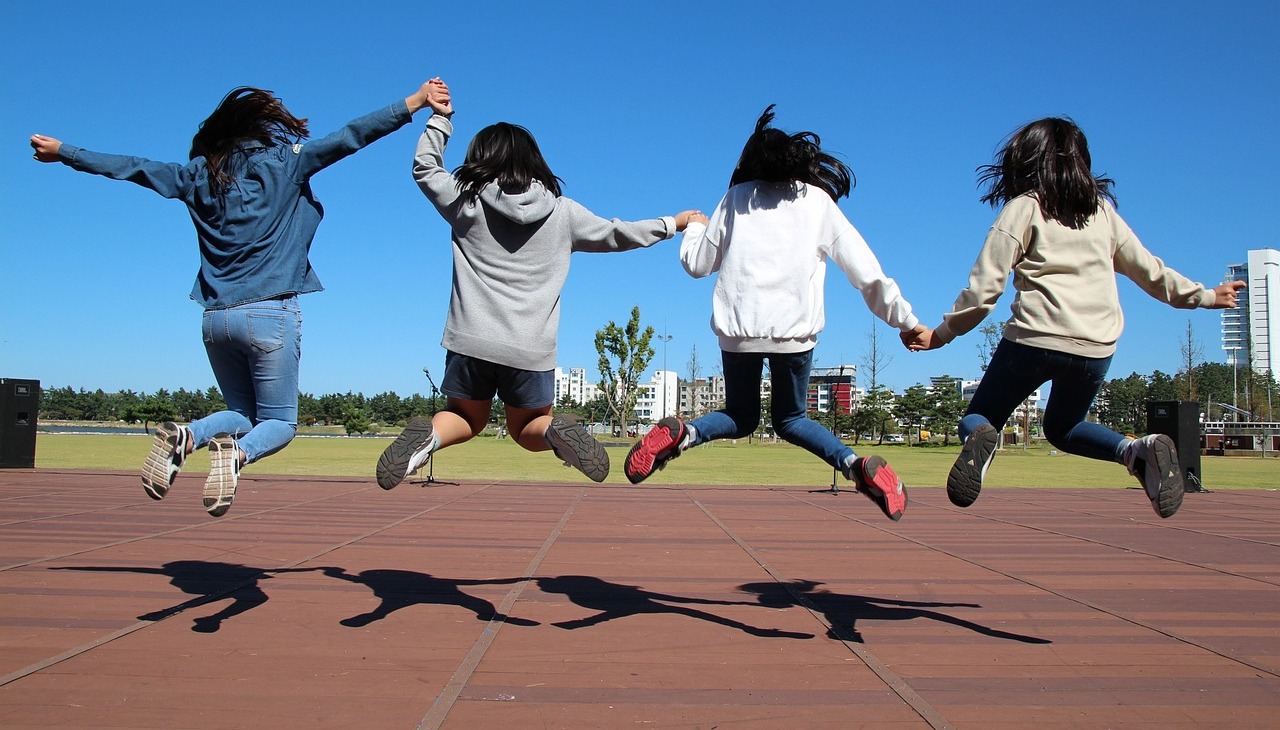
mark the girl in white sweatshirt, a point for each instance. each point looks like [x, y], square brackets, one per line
[770, 239]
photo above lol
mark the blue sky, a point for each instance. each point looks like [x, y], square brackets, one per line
[642, 109]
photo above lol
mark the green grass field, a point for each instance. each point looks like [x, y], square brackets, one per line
[718, 463]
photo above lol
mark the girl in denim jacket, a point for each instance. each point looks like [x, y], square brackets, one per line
[247, 186]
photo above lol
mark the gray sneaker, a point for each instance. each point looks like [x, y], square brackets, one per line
[407, 453]
[224, 475]
[965, 480]
[1153, 459]
[164, 461]
[576, 448]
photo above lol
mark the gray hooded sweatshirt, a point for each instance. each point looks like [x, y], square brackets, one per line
[511, 258]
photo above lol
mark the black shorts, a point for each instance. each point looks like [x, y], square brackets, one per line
[471, 378]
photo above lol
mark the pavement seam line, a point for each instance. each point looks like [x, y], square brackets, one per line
[445, 700]
[894, 681]
[1272, 671]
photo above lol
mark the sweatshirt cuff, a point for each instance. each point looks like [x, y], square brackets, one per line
[1208, 298]
[909, 323]
[670, 222]
[943, 332]
[440, 122]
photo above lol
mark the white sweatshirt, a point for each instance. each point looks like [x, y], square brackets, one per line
[770, 243]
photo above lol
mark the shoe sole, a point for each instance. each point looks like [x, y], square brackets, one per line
[156, 474]
[571, 440]
[224, 476]
[637, 472]
[394, 462]
[965, 480]
[869, 475]
[1169, 494]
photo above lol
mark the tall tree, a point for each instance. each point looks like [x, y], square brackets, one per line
[625, 354]
[1191, 351]
[915, 406]
[877, 358]
[694, 369]
[949, 405]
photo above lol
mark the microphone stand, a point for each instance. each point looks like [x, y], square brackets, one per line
[431, 460]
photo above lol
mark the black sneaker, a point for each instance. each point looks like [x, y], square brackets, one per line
[1153, 459]
[407, 453]
[965, 480]
[654, 449]
[576, 448]
[164, 461]
[224, 475]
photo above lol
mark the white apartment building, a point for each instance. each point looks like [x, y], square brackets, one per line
[1246, 331]
[659, 398]
[573, 384]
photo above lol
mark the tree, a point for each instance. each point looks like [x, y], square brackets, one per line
[878, 406]
[1190, 351]
[694, 370]
[1122, 404]
[876, 358]
[624, 356]
[991, 336]
[158, 407]
[949, 405]
[915, 405]
[356, 420]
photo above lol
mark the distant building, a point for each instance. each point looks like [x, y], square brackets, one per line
[833, 386]
[659, 398]
[1246, 330]
[702, 396]
[572, 384]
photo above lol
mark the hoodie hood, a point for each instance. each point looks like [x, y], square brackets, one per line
[530, 206]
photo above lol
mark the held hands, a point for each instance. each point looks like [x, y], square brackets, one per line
[1225, 295]
[685, 217]
[920, 338]
[46, 148]
[435, 94]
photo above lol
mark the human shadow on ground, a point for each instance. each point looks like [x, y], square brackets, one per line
[208, 582]
[842, 611]
[614, 601]
[403, 588]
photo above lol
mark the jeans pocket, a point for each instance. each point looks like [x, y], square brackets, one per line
[266, 331]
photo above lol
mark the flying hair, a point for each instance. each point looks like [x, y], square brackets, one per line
[771, 155]
[506, 154]
[246, 114]
[1047, 158]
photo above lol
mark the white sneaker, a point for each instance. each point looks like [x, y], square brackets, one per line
[164, 461]
[224, 475]
[411, 449]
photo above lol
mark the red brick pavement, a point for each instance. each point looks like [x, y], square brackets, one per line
[328, 603]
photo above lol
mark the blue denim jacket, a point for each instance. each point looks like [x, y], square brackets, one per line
[254, 239]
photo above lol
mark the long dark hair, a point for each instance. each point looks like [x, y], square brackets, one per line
[245, 114]
[772, 155]
[507, 154]
[1048, 158]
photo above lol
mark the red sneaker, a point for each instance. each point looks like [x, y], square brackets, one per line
[655, 449]
[876, 479]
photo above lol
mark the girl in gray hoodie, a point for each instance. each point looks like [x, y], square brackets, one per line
[513, 233]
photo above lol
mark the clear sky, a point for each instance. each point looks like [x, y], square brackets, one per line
[642, 109]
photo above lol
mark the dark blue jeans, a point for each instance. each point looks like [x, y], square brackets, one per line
[1015, 371]
[789, 375]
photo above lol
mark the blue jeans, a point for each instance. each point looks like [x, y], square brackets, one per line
[1015, 371]
[789, 375]
[254, 350]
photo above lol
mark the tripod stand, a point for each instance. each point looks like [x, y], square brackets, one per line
[431, 460]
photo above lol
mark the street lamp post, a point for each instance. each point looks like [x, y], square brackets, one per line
[664, 338]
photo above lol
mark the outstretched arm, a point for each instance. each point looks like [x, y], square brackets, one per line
[169, 179]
